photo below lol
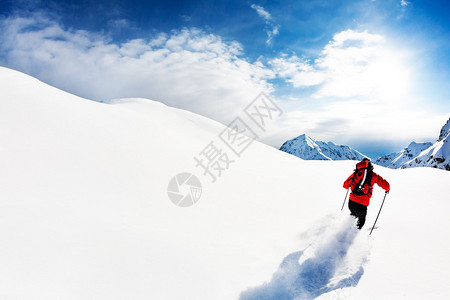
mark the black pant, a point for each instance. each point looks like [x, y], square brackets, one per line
[359, 211]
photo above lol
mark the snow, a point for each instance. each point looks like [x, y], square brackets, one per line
[84, 212]
[307, 148]
[321, 267]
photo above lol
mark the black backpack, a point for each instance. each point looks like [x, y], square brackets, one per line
[362, 177]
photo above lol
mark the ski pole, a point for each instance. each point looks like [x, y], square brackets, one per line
[378, 213]
[344, 200]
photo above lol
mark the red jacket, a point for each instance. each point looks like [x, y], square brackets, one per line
[365, 199]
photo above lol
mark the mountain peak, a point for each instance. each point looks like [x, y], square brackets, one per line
[414, 146]
[306, 139]
[445, 131]
[307, 148]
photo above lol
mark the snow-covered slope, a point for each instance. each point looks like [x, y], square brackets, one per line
[85, 214]
[435, 155]
[398, 159]
[307, 148]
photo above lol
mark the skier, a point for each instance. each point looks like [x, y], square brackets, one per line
[361, 183]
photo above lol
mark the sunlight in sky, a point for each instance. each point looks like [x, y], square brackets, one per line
[391, 77]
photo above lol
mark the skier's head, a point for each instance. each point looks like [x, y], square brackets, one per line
[365, 163]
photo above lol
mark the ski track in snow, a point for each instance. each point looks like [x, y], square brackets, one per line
[333, 260]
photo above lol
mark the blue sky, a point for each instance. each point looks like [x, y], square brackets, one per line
[370, 74]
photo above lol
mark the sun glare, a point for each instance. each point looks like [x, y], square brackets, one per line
[390, 76]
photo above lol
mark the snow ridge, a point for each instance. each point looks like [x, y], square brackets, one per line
[307, 148]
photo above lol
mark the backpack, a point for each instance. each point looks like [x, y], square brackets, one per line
[362, 177]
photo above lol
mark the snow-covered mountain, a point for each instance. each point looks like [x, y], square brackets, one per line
[85, 212]
[398, 159]
[307, 148]
[435, 155]
[445, 131]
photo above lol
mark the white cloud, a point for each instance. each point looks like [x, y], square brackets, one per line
[271, 33]
[404, 3]
[262, 12]
[272, 29]
[352, 64]
[297, 71]
[187, 68]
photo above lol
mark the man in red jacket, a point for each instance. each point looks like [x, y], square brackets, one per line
[361, 183]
